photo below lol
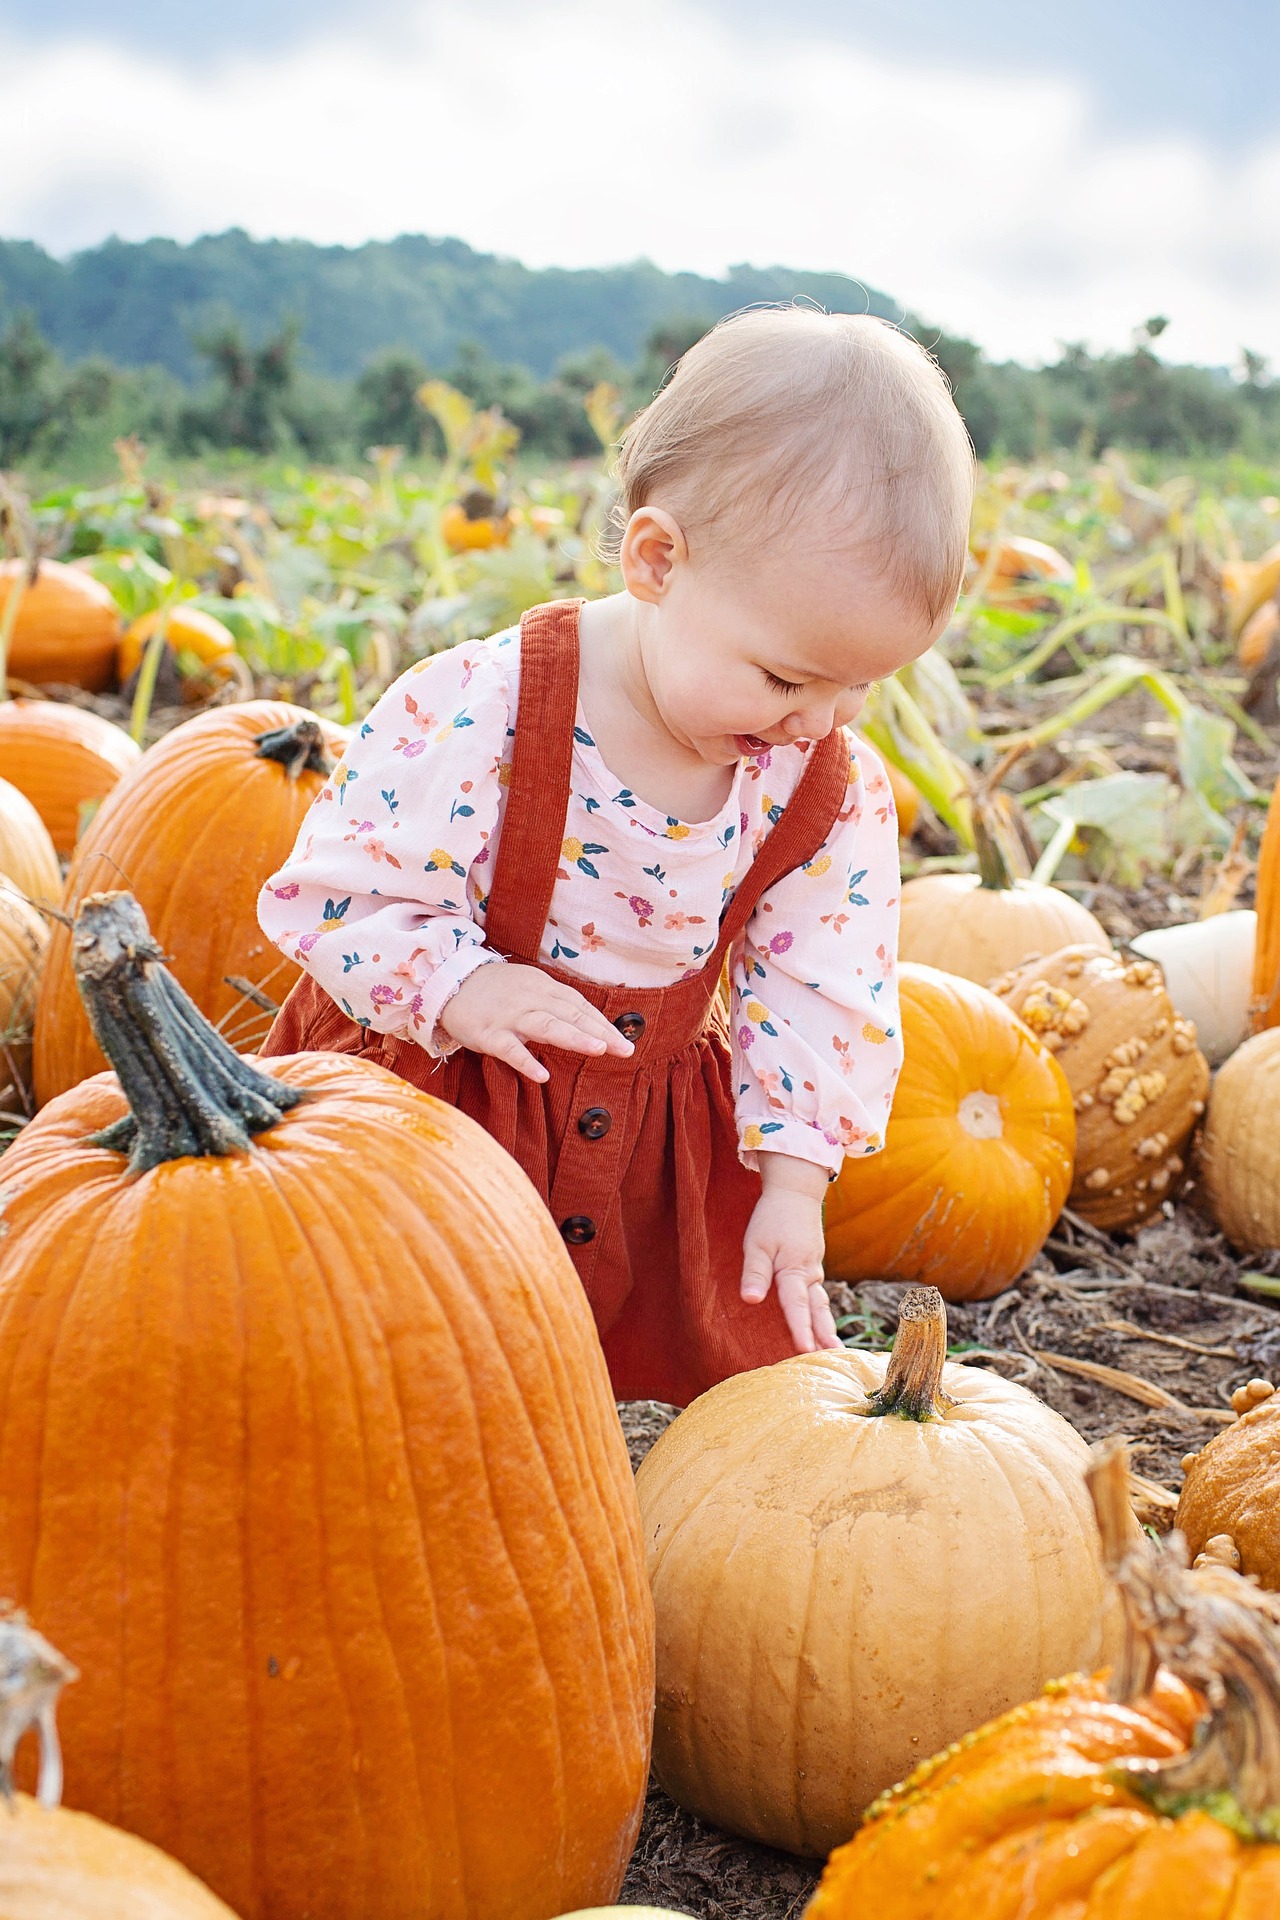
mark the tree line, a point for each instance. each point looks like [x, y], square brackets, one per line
[264, 398]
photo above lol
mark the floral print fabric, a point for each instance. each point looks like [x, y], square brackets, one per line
[383, 899]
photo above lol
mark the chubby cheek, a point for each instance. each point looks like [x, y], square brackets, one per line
[849, 707]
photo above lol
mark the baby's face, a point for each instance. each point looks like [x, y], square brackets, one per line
[783, 646]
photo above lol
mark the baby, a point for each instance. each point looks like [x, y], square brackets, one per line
[519, 888]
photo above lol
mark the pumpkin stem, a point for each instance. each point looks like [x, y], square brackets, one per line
[298, 748]
[1218, 1633]
[32, 1675]
[913, 1384]
[189, 1092]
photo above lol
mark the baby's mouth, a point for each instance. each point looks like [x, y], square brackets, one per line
[751, 743]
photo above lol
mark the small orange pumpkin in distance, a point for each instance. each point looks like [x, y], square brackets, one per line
[213, 808]
[1156, 1797]
[978, 1151]
[346, 1547]
[64, 758]
[187, 630]
[66, 629]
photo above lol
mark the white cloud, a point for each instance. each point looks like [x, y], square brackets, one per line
[571, 133]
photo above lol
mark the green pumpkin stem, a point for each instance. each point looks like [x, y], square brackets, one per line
[298, 748]
[189, 1092]
[1217, 1632]
[32, 1675]
[993, 867]
[913, 1384]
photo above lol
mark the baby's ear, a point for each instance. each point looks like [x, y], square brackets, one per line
[652, 547]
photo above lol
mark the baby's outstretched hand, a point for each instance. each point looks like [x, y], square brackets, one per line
[498, 1008]
[783, 1247]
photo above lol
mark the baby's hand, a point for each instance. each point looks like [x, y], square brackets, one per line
[784, 1247]
[498, 1008]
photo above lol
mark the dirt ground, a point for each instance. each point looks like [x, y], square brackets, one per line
[1166, 1313]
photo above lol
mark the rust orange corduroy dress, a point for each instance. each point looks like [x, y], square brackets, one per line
[637, 1159]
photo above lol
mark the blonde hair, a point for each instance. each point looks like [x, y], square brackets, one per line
[780, 412]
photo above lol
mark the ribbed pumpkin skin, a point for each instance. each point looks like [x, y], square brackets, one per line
[27, 855]
[1232, 1486]
[59, 1865]
[836, 1592]
[951, 921]
[348, 1553]
[23, 940]
[66, 630]
[1239, 1153]
[1266, 952]
[192, 834]
[61, 756]
[1023, 1822]
[942, 1204]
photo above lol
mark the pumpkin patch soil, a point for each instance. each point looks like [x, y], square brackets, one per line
[1164, 1312]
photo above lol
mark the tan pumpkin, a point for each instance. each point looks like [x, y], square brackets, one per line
[1239, 1151]
[854, 1560]
[211, 811]
[24, 938]
[1230, 1503]
[66, 629]
[59, 1865]
[980, 924]
[64, 759]
[978, 1152]
[27, 854]
[1137, 1077]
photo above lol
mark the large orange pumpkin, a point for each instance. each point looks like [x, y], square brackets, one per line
[64, 759]
[312, 1467]
[978, 1152]
[66, 630]
[1142, 1801]
[27, 855]
[212, 810]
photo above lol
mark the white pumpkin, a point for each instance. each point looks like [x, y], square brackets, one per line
[1208, 975]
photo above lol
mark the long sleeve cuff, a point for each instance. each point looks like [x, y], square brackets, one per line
[439, 991]
[783, 1133]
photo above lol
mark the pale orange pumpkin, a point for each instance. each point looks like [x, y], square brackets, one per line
[24, 937]
[855, 1559]
[187, 631]
[312, 1466]
[211, 811]
[978, 1151]
[67, 626]
[64, 759]
[28, 857]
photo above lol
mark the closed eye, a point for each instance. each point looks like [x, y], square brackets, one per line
[782, 686]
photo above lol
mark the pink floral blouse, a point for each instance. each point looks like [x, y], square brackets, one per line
[383, 899]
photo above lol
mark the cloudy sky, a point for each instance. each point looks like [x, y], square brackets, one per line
[1024, 173]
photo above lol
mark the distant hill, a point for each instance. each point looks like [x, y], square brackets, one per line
[141, 303]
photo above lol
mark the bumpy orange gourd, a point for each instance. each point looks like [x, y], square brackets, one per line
[1265, 1010]
[59, 1865]
[855, 1558]
[1086, 1804]
[66, 630]
[64, 759]
[27, 854]
[1138, 1079]
[978, 1151]
[187, 630]
[213, 809]
[312, 1467]
[1230, 1502]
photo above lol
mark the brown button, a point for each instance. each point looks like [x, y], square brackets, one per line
[577, 1229]
[630, 1025]
[595, 1123]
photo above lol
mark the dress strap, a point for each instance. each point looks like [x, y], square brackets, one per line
[807, 819]
[533, 824]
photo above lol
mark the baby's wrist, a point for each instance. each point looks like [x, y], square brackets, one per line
[784, 1173]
